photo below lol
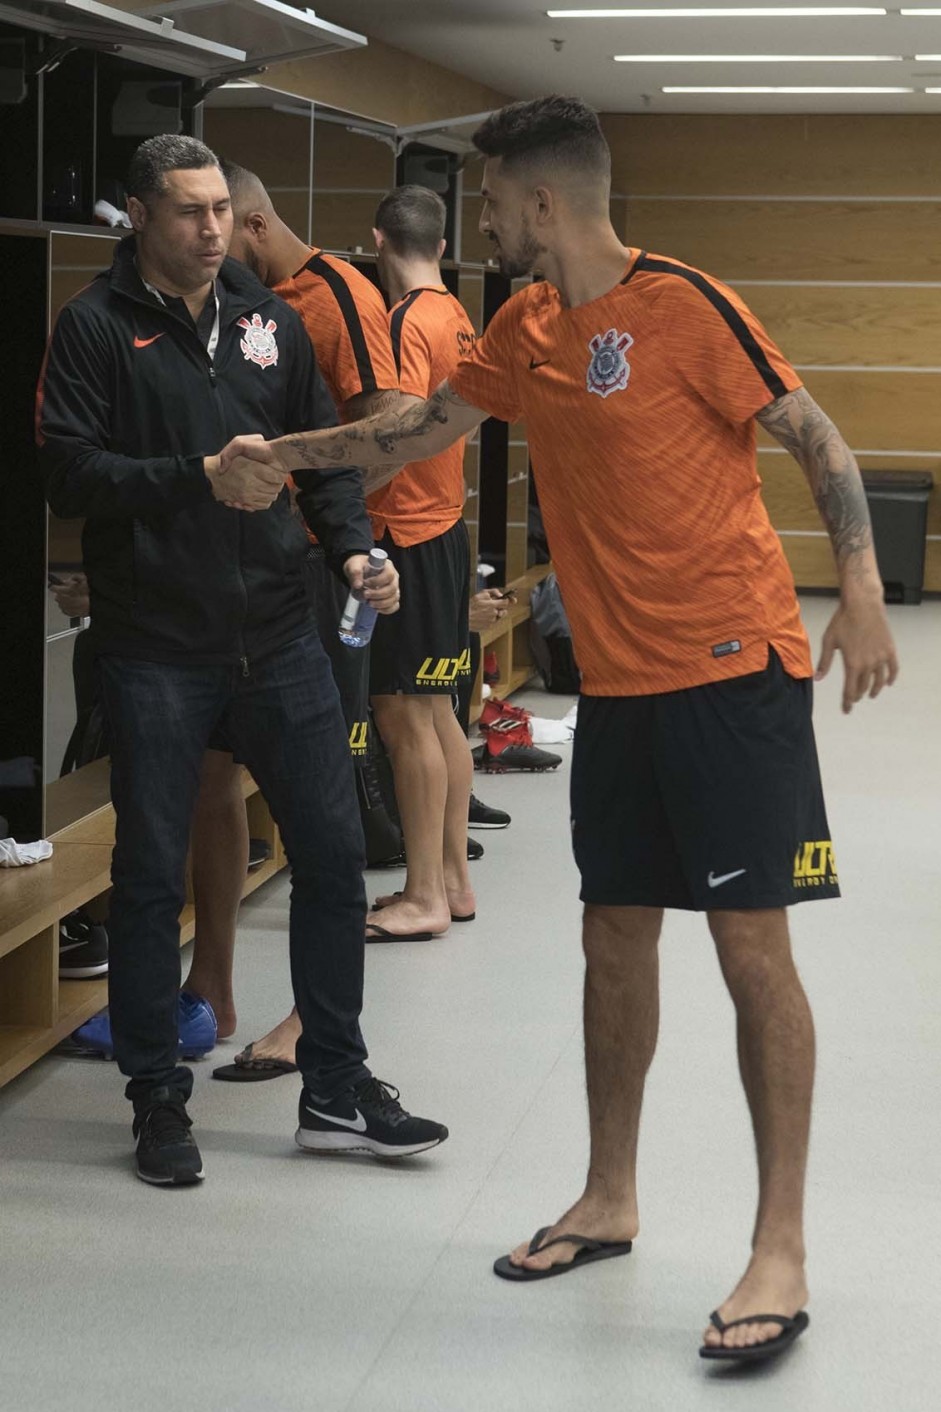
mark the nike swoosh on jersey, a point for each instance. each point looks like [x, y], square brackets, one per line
[713, 881]
[358, 1124]
[146, 342]
[533, 364]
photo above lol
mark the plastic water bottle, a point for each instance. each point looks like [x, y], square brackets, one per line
[359, 618]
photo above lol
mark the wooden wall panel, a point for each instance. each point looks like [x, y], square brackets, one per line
[75, 260]
[349, 159]
[896, 411]
[794, 240]
[275, 146]
[474, 247]
[344, 220]
[791, 505]
[873, 327]
[811, 561]
[787, 155]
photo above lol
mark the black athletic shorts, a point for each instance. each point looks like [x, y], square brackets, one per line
[424, 647]
[702, 799]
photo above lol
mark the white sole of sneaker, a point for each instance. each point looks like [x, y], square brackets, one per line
[190, 1180]
[346, 1142]
[472, 824]
[82, 973]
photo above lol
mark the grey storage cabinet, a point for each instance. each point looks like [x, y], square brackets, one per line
[898, 505]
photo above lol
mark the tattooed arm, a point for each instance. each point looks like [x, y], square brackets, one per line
[380, 446]
[859, 628]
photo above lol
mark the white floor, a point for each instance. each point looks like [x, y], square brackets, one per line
[289, 1283]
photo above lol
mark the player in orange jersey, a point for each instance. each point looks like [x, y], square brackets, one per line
[694, 780]
[420, 656]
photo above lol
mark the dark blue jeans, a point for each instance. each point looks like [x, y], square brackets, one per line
[283, 720]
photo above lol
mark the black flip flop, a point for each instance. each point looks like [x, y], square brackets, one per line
[378, 906]
[590, 1251]
[383, 935]
[791, 1329]
[248, 1070]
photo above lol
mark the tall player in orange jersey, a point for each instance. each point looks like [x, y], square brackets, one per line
[694, 779]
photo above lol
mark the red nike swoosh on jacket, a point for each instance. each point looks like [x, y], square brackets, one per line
[144, 342]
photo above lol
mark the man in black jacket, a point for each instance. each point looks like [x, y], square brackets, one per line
[203, 634]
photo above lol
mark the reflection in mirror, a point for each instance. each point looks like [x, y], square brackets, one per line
[74, 260]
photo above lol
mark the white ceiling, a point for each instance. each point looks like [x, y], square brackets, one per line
[507, 45]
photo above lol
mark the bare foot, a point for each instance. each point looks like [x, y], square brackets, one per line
[590, 1216]
[460, 904]
[222, 1002]
[402, 917]
[772, 1284]
[281, 1042]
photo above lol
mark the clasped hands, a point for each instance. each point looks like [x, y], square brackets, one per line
[248, 474]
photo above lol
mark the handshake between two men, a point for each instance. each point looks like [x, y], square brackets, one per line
[250, 473]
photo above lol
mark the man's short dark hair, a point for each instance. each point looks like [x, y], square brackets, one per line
[146, 175]
[412, 219]
[237, 178]
[546, 132]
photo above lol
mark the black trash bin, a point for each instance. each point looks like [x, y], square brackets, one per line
[898, 505]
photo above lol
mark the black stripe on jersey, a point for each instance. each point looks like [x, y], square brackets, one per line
[729, 313]
[398, 319]
[633, 269]
[354, 327]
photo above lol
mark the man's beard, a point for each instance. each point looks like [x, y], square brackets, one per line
[526, 257]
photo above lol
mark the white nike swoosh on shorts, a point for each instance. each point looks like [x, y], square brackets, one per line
[358, 1124]
[713, 881]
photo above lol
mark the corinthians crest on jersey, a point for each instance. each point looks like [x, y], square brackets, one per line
[608, 370]
[258, 341]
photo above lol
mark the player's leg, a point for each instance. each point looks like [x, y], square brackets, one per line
[219, 845]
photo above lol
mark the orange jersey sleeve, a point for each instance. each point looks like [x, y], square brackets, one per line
[716, 342]
[346, 322]
[487, 376]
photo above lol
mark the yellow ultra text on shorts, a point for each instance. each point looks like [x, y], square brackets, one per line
[358, 738]
[815, 865]
[444, 669]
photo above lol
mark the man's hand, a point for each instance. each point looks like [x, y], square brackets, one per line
[860, 630]
[71, 595]
[246, 475]
[488, 607]
[381, 590]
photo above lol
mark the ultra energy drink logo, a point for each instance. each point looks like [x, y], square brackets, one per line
[815, 865]
[358, 738]
[441, 671]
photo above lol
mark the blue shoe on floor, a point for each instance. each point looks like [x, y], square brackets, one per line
[198, 1030]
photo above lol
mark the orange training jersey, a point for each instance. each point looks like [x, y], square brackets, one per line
[430, 333]
[639, 409]
[345, 317]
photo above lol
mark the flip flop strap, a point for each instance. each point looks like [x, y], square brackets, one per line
[719, 1323]
[589, 1244]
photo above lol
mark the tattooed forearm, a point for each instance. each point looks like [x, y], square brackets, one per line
[830, 467]
[387, 441]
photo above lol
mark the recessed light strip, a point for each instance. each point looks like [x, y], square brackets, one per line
[774, 89]
[761, 58]
[728, 12]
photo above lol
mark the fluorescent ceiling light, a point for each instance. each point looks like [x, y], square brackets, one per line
[917, 14]
[728, 12]
[793, 89]
[760, 58]
[928, 58]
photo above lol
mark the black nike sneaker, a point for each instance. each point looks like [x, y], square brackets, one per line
[167, 1154]
[83, 947]
[481, 816]
[366, 1118]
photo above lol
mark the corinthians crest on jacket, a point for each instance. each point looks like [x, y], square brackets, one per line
[258, 341]
[608, 370]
